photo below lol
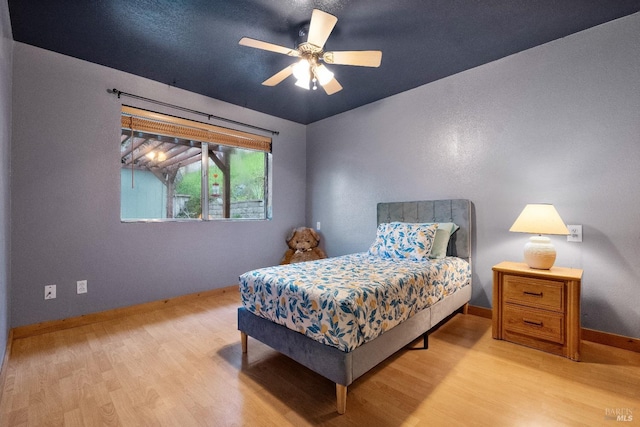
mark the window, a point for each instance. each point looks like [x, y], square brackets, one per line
[177, 169]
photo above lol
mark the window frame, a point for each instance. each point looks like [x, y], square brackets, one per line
[206, 136]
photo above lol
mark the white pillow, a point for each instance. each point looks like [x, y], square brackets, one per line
[441, 241]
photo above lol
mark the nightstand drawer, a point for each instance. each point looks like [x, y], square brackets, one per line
[537, 324]
[538, 293]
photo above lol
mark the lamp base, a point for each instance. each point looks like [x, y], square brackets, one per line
[539, 253]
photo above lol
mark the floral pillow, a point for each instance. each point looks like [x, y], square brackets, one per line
[401, 240]
[378, 248]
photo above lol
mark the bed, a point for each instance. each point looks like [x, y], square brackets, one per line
[389, 302]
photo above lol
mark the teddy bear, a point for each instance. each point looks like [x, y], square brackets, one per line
[303, 246]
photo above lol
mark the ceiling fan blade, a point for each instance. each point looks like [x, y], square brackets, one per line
[279, 76]
[246, 41]
[320, 27]
[362, 58]
[332, 86]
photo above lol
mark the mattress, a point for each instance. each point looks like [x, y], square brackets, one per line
[349, 300]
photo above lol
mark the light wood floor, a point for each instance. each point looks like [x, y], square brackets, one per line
[182, 366]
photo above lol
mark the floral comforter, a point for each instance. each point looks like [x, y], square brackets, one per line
[349, 300]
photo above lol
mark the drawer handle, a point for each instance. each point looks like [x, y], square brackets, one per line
[532, 323]
[533, 294]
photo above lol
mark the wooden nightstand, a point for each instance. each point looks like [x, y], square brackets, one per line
[538, 308]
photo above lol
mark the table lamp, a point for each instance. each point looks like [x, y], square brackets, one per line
[539, 219]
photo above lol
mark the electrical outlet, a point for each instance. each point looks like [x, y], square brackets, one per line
[81, 286]
[50, 292]
[318, 225]
[575, 233]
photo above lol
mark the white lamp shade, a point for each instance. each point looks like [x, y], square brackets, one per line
[539, 219]
[302, 73]
[303, 83]
[301, 70]
[323, 74]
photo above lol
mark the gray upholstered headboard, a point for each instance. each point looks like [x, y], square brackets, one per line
[453, 210]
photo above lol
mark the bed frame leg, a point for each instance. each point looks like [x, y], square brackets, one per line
[243, 341]
[465, 308]
[425, 343]
[341, 398]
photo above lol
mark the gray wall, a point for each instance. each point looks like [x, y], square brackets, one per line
[558, 124]
[6, 49]
[66, 196]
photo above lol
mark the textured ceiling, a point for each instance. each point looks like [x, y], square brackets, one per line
[193, 44]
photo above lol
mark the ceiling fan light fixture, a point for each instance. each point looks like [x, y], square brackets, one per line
[301, 70]
[323, 74]
[302, 73]
[303, 83]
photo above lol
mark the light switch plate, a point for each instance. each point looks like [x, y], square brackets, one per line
[575, 233]
[50, 292]
[81, 286]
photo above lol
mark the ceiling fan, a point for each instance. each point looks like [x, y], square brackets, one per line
[310, 67]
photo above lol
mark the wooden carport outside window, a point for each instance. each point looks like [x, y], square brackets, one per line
[210, 136]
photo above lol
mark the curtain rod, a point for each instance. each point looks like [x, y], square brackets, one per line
[188, 110]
